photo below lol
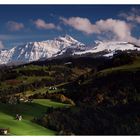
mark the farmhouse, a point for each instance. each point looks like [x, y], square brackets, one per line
[4, 131]
[52, 88]
[25, 100]
[16, 100]
[18, 117]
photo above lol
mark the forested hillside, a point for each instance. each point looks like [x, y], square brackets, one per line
[102, 94]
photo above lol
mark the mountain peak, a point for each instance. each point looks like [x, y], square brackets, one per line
[66, 38]
[33, 51]
[60, 47]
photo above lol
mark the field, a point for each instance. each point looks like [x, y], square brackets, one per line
[28, 111]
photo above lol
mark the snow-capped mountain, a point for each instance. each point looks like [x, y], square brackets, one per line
[34, 51]
[58, 47]
[109, 48]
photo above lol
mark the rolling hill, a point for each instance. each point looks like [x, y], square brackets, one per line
[99, 93]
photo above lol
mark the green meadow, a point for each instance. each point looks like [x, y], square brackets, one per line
[28, 111]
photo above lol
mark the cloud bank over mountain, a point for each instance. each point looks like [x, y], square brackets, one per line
[119, 29]
[86, 23]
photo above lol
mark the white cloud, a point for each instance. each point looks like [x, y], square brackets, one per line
[133, 15]
[81, 24]
[118, 29]
[1, 45]
[14, 26]
[41, 24]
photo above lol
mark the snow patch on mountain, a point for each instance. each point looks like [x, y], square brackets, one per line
[110, 47]
[34, 51]
[61, 47]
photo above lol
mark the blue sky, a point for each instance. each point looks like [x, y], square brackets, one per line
[86, 23]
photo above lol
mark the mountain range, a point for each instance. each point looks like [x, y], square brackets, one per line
[61, 46]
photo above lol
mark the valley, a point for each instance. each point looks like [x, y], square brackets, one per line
[61, 96]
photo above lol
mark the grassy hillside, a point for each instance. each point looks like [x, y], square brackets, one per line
[34, 77]
[28, 111]
[104, 94]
